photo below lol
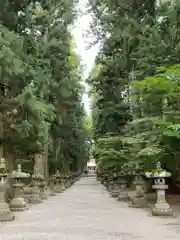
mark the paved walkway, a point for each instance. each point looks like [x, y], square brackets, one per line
[86, 212]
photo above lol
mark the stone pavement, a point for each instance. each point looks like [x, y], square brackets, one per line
[86, 212]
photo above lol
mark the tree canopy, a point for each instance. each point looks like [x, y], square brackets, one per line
[41, 84]
[134, 85]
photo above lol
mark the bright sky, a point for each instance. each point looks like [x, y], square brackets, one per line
[87, 55]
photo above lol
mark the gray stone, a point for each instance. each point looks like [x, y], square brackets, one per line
[139, 201]
[115, 190]
[60, 187]
[35, 195]
[123, 196]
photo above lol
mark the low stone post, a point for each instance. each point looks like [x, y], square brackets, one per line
[5, 213]
[18, 203]
[161, 208]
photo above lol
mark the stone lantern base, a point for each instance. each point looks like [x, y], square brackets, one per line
[162, 210]
[115, 192]
[59, 188]
[5, 213]
[52, 190]
[115, 189]
[123, 196]
[35, 199]
[109, 188]
[105, 183]
[35, 195]
[7, 217]
[44, 194]
[52, 193]
[139, 201]
[67, 184]
[18, 204]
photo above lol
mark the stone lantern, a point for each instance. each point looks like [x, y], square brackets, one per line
[66, 180]
[42, 186]
[35, 194]
[123, 181]
[59, 187]
[52, 181]
[5, 213]
[72, 179]
[161, 208]
[98, 174]
[139, 201]
[115, 188]
[101, 176]
[110, 183]
[18, 203]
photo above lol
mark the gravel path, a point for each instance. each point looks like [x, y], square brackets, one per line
[86, 212]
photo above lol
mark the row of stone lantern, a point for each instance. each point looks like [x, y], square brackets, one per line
[117, 185]
[37, 192]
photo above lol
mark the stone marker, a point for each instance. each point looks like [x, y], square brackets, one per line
[18, 203]
[161, 208]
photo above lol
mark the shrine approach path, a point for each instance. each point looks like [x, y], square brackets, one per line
[86, 212]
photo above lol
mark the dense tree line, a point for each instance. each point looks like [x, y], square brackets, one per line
[135, 84]
[41, 106]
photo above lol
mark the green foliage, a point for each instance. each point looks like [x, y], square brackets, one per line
[41, 91]
[135, 84]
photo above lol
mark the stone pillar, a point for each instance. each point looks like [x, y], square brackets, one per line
[139, 201]
[52, 186]
[123, 194]
[18, 203]
[35, 192]
[116, 187]
[38, 163]
[161, 208]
